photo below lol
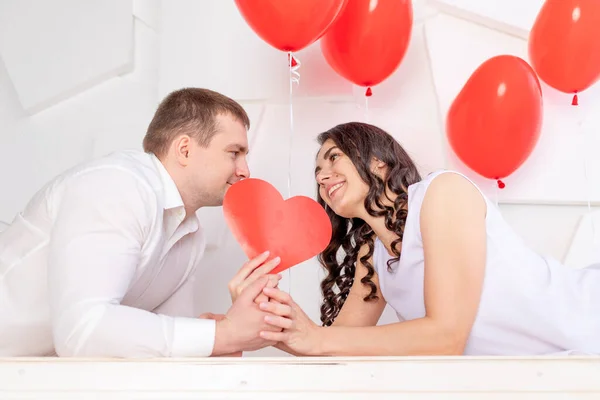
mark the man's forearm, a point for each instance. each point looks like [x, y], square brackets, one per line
[107, 330]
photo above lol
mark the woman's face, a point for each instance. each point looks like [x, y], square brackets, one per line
[340, 185]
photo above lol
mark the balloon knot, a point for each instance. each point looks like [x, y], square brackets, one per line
[369, 92]
[292, 61]
[501, 184]
[575, 101]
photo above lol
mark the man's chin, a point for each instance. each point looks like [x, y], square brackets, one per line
[217, 203]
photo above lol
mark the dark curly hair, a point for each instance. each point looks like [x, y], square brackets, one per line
[361, 143]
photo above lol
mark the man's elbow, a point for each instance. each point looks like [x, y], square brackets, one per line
[62, 349]
[64, 346]
[68, 341]
[72, 333]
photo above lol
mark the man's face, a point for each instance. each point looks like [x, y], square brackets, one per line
[215, 168]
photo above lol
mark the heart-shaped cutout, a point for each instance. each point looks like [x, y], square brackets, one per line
[260, 219]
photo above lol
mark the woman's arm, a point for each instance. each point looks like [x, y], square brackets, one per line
[454, 238]
[355, 311]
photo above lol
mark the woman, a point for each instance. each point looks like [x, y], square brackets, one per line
[440, 254]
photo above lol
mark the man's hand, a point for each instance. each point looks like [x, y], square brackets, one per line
[251, 271]
[220, 317]
[240, 328]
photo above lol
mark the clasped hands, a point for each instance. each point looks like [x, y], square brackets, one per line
[279, 321]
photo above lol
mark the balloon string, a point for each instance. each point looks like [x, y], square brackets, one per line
[497, 187]
[496, 195]
[293, 65]
[586, 176]
[589, 194]
[368, 94]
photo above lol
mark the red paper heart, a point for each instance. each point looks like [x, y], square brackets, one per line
[260, 219]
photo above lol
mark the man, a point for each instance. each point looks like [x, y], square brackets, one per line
[100, 261]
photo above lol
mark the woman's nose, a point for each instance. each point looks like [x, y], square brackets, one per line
[322, 177]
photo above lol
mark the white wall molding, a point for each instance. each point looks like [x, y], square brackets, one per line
[512, 17]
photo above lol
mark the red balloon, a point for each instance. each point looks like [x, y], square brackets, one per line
[495, 121]
[290, 25]
[295, 229]
[368, 41]
[564, 44]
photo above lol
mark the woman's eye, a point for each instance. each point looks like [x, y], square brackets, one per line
[333, 157]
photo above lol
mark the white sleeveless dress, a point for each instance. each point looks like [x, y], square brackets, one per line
[530, 304]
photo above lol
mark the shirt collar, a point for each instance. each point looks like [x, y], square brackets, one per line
[172, 197]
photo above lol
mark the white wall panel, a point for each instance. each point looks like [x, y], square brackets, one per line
[585, 246]
[148, 11]
[55, 49]
[514, 17]
[104, 118]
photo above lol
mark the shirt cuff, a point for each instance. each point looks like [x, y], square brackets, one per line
[193, 337]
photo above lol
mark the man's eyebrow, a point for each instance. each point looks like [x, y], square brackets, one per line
[240, 148]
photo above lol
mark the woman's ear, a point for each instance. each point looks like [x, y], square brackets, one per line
[377, 166]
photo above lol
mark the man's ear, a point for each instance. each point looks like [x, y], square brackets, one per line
[181, 146]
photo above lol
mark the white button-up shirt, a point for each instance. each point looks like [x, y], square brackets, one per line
[100, 263]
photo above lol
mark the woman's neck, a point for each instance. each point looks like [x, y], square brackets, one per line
[378, 225]
[383, 233]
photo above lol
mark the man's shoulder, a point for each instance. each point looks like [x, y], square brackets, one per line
[117, 173]
[116, 178]
[133, 163]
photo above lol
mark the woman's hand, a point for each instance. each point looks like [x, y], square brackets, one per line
[299, 334]
[250, 272]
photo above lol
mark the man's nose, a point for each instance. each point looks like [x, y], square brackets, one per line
[243, 171]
